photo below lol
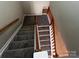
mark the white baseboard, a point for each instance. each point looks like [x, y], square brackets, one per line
[34, 37]
[8, 42]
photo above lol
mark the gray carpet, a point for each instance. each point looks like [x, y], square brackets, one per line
[42, 20]
[23, 44]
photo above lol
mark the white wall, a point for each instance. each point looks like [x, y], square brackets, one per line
[34, 7]
[9, 11]
[67, 16]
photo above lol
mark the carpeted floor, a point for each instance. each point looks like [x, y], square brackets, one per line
[23, 44]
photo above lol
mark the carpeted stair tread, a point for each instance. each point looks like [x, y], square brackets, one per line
[43, 20]
[46, 48]
[45, 42]
[28, 36]
[45, 38]
[44, 32]
[26, 28]
[21, 44]
[29, 20]
[19, 53]
[43, 28]
[25, 32]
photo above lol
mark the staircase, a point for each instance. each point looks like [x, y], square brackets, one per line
[44, 34]
[22, 45]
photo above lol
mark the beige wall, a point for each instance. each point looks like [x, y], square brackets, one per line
[67, 17]
[34, 7]
[9, 11]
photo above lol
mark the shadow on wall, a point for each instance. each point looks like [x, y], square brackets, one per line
[27, 6]
[34, 7]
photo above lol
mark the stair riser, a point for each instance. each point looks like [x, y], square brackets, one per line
[24, 29]
[25, 33]
[27, 28]
[43, 33]
[45, 42]
[46, 48]
[43, 28]
[45, 38]
[18, 45]
[23, 37]
[20, 53]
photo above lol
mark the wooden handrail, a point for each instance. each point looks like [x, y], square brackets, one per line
[51, 19]
[8, 25]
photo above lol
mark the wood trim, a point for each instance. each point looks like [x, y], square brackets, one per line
[37, 41]
[7, 26]
[61, 48]
[51, 19]
[44, 10]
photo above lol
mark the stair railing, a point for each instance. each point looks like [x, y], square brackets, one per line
[52, 33]
[37, 36]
